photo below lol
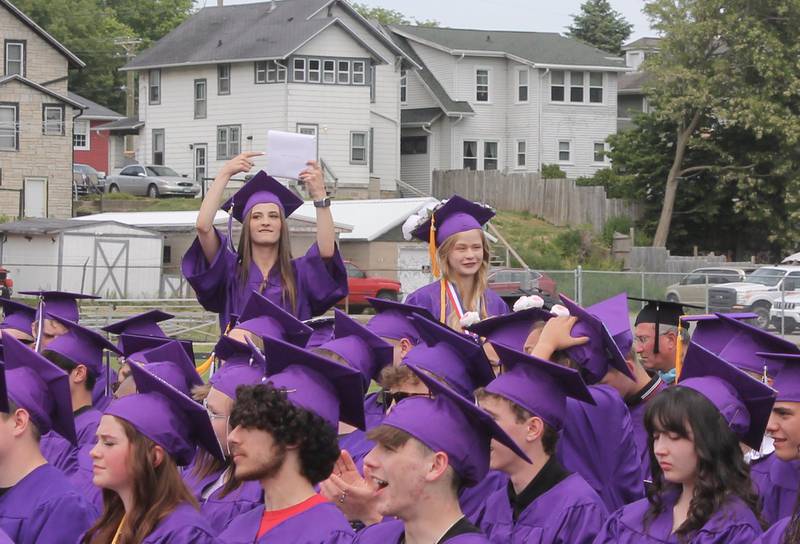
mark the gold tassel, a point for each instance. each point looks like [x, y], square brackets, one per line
[442, 301]
[432, 248]
[205, 366]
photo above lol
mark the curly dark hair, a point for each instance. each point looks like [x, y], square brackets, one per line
[721, 471]
[266, 408]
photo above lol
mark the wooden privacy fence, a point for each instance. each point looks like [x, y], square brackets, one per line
[557, 201]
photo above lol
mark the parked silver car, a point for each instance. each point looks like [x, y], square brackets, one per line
[152, 181]
[693, 287]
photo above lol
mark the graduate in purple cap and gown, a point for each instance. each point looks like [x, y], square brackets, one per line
[284, 436]
[17, 321]
[611, 467]
[223, 278]
[79, 352]
[142, 439]
[221, 495]
[777, 475]
[428, 447]
[358, 347]
[459, 252]
[543, 502]
[37, 504]
[701, 491]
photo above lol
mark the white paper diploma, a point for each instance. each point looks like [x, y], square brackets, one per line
[288, 153]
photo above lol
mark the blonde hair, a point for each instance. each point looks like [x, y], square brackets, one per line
[245, 251]
[474, 297]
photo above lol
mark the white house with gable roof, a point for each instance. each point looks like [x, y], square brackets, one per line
[216, 84]
[501, 100]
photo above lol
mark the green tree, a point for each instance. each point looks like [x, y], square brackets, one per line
[88, 28]
[601, 26]
[724, 64]
[389, 16]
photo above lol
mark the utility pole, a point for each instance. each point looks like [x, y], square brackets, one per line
[129, 45]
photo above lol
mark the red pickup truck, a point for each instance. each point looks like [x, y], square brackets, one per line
[6, 284]
[361, 286]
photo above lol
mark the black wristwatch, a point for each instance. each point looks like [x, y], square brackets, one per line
[324, 203]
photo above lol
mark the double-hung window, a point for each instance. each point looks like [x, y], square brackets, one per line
[314, 70]
[80, 135]
[522, 85]
[329, 71]
[522, 153]
[53, 120]
[154, 85]
[9, 126]
[15, 58]
[299, 70]
[343, 72]
[470, 155]
[481, 85]
[228, 141]
[403, 86]
[358, 148]
[200, 98]
[223, 79]
[358, 72]
[490, 155]
[557, 86]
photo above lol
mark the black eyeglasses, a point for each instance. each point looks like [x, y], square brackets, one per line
[389, 399]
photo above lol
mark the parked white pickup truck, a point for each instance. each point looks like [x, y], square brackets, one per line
[757, 293]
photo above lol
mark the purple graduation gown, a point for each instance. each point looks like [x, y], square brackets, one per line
[44, 508]
[319, 284]
[774, 535]
[320, 524]
[473, 499]
[390, 532]
[60, 453]
[777, 482]
[356, 442]
[184, 525]
[220, 511]
[640, 433]
[4, 538]
[734, 523]
[597, 442]
[429, 297]
[570, 513]
[99, 398]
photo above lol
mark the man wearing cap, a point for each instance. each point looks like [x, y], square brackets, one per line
[37, 503]
[658, 335]
[283, 434]
[223, 277]
[611, 466]
[543, 501]
[417, 468]
[79, 352]
[784, 427]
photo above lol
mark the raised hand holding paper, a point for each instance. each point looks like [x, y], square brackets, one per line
[288, 153]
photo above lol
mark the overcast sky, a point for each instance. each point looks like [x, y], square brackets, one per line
[538, 15]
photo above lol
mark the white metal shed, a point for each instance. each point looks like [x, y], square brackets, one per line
[103, 258]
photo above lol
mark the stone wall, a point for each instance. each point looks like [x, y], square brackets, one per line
[38, 156]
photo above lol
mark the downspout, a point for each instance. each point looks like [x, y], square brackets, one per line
[541, 100]
[73, 189]
[452, 140]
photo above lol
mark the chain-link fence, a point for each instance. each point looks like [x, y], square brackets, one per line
[127, 288]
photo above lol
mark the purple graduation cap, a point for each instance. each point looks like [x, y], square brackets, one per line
[264, 318]
[262, 189]
[132, 345]
[787, 377]
[144, 324]
[539, 386]
[167, 417]
[59, 303]
[743, 401]
[245, 366]
[322, 331]
[313, 382]
[229, 350]
[739, 343]
[81, 345]
[3, 390]
[510, 329]
[391, 319]
[171, 363]
[17, 316]
[363, 350]
[707, 327]
[456, 215]
[610, 337]
[454, 358]
[462, 430]
[39, 386]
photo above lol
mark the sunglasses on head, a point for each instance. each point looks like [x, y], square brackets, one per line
[389, 399]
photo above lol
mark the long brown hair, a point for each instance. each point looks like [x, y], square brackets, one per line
[475, 296]
[157, 491]
[245, 252]
[205, 464]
